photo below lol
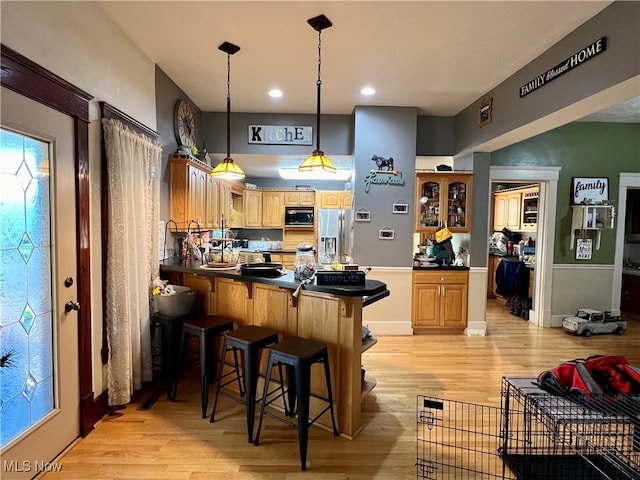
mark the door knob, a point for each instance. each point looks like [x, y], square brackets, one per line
[71, 305]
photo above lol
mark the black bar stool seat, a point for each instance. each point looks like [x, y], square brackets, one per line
[298, 354]
[249, 340]
[207, 329]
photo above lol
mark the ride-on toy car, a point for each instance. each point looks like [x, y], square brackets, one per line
[587, 321]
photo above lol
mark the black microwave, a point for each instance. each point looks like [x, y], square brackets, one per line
[299, 216]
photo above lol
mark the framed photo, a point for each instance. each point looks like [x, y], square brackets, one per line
[485, 111]
[584, 248]
[363, 215]
[589, 190]
[400, 207]
[386, 234]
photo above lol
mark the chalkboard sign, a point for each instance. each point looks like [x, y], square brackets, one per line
[340, 278]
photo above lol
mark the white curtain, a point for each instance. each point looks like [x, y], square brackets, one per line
[133, 188]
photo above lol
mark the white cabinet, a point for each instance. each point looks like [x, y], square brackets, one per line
[591, 217]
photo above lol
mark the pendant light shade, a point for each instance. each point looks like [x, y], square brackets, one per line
[317, 161]
[228, 170]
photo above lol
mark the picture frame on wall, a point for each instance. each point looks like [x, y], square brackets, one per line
[589, 190]
[386, 234]
[362, 215]
[584, 249]
[400, 207]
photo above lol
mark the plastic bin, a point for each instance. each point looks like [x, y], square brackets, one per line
[180, 303]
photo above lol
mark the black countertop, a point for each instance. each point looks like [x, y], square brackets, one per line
[441, 267]
[372, 290]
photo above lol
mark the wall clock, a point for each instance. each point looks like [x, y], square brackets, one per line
[184, 123]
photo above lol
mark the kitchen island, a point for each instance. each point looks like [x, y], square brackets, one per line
[331, 314]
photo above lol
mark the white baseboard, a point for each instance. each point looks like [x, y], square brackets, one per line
[391, 328]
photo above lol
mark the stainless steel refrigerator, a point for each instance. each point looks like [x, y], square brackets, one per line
[335, 235]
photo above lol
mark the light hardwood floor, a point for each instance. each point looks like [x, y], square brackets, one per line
[172, 441]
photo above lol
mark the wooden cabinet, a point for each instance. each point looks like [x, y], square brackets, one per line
[334, 199]
[189, 193]
[252, 208]
[516, 209]
[272, 209]
[506, 210]
[443, 199]
[529, 210]
[299, 198]
[439, 299]
[212, 203]
[630, 294]
[492, 266]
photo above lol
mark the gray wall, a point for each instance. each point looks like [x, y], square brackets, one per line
[435, 136]
[619, 62]
[384, 131]
[336, 136]
[480, 209]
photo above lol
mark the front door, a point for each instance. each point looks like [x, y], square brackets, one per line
[39, 384]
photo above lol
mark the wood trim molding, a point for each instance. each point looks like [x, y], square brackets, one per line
[109, 111]
[27, 78]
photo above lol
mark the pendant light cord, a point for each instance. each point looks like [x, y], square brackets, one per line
[319, 84]
[228, 105]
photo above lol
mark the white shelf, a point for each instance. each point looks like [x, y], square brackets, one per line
[592, 217]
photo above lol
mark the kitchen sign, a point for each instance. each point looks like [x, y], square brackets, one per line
[575, 60]
[589, 190]
[280, 135]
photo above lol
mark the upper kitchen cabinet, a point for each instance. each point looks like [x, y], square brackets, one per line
[334, 199]
[252, 208]
[443, 199]
[516, 209]
[506, 210]
[299, 198]
[189, 183]
[272, 209]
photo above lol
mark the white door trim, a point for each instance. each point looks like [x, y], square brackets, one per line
[548, 177]
[627, 180]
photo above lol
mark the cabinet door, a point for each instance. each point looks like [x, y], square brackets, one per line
[291, 199]
[272, 209]
[252, 208]
[226, 206]
[307, 198]
[513, 210]
[458, 194]
[212, 203]
[499, 211]
[453, 306]
[345, 199]
[330, 199]
[196, 196]
[426, 305]
[428, 211]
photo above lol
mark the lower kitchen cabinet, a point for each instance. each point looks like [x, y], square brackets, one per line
[630, 294]
[439, 300]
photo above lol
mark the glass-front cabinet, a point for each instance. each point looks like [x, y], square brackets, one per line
[443, 199]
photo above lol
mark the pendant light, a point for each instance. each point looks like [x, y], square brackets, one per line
[317, 161]
[228, 170]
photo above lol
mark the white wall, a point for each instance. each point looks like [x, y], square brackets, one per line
[391, 315]
[76, 41]
[578, 286]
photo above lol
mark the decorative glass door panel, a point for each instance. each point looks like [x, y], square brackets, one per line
[39, 378]
[457, 205]
[429, 204]
[26, 352]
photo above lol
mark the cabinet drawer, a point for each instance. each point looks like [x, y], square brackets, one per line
[441, 277]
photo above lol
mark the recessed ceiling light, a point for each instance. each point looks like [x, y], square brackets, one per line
[275, 93]
[367, 91]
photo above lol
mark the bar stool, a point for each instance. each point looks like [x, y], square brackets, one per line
[250, 340]
[298, 354]
[170, 331]
[207, 329]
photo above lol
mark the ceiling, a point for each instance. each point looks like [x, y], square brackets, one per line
[438, 56]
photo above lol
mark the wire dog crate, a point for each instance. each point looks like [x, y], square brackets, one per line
[533, 435]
